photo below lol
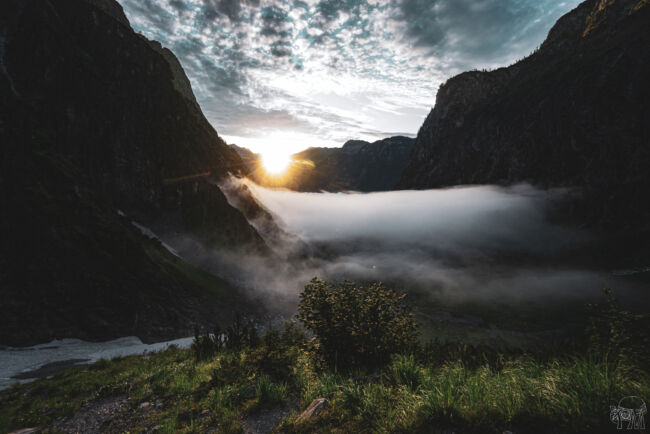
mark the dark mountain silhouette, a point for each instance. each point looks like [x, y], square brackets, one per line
[358, 166]
[99, 127]
[575, 113]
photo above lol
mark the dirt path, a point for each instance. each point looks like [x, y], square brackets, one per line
[96, 416]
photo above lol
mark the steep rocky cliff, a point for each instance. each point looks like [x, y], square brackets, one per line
[574, 113]
[358, 166]
[99, 127]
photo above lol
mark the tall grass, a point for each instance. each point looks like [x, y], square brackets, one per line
[450, 387]
[570, 394]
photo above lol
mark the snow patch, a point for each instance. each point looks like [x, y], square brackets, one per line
[149, 233]
[631, 271]
[14, 361]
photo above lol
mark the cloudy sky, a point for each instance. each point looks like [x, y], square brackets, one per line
[284, 75]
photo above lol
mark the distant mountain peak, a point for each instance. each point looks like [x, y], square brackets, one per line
[358, 165]
[352, 146]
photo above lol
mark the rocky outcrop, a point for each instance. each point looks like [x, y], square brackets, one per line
[574, 113]
[357, 166]
[99, 128]
[96, 93]
[314, 409]
[250, 159]
[113, 9]
[181, 82]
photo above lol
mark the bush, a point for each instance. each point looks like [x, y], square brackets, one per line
[618, 336]
[269, 394]
[207, 345]
[357, 326]
[238, 335]
[279, 351]
[405, 370]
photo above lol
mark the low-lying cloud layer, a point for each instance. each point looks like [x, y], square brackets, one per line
[461, 220]
[470, 243]
[288, 74]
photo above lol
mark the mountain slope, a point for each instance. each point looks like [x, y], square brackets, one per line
[574, 113]
[358, 166]
[95, 119]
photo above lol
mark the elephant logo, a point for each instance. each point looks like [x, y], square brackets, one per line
[630, 409]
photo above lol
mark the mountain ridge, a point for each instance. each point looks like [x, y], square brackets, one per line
[100, 129]
[574, 113]
[356, 166]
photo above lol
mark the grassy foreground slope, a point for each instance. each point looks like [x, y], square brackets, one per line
[239, 382]
[220, 395]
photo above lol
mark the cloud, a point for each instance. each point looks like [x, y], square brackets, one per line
[459, 220]
[452, 246]
[157, 17]
[251, 121]
[476, 32]
[377, 65]
[230, 8]
[179, 5]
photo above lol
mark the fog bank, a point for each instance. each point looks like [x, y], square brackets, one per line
[459, 244]
[457, 220]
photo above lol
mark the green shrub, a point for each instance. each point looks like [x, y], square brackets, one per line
[619, 337]
[279, 351]
[352, 397]
[207, 345]
[270, 394]
[357, 326]
[232, 366]
[406, 371]
[238, 335]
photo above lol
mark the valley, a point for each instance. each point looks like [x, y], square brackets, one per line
[490, 273]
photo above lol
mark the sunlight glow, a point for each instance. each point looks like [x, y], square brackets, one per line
[275, 162]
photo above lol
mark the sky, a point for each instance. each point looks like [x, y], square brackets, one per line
[284, 75]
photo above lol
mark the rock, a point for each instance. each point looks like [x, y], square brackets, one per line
[144, 405]
[113, 9]
[186, 416]
[99, 102]
[316, 406]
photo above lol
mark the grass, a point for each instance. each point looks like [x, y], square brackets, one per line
[268, 393]
[571, 394]
[449, 386]
[201, 278]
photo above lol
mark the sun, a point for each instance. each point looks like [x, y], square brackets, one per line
[275, 162]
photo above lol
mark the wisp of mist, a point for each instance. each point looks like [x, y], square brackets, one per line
[476, 242]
